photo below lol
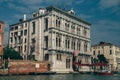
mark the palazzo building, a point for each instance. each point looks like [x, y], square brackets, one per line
[52, 34]
[111, 53]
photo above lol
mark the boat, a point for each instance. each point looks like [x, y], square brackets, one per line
[105, 72]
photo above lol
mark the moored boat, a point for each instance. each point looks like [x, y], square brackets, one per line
[105, 72]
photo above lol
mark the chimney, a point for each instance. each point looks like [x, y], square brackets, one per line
[24, 17]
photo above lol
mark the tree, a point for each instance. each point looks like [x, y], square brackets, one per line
[102, 58]
[11, 53]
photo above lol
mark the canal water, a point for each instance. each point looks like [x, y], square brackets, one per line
[61, 77]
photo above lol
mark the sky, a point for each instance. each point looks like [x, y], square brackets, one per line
[104, 15]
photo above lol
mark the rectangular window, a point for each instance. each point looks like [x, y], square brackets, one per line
[0, 41]
[67, 63]
[16, 27]
[78, 31]
[11, 39]
[99, 52]
[25, 40]
[25, 24]
[15, 34]
[93, 52]
[58, 56]
[46, 24]
[85, 32]
[25, 32]
[58, 22]
[73, 28]
[110, 52]
[46, 42]
[21, 33]
[46, 57]
[11, 28]
[0, 26]
[11, 34]
[67, 26]
[25, 48]
[33, 40]
[33, 24]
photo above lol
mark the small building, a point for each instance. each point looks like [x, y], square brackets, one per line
[1, 38]
[110, 51]
[52, 34]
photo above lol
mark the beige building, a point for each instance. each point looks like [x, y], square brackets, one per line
[110, 51]
[52, 34]
[1, 38]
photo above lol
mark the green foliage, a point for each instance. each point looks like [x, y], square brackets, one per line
[102, 58]
[11, 53]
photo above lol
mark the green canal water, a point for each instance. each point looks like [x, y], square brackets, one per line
[62, 77]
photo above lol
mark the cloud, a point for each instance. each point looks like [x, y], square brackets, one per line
[84, 16]
[6, 32]
[109, 3]
[19, 8]
[31, 2]
[105, 30]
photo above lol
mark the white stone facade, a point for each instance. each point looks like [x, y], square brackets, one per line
[52, 34]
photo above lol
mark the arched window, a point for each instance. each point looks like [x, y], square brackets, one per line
[74, 45]
[56, 41]
[68, 43]
[59, 42]
[85, 46]
[58, 22]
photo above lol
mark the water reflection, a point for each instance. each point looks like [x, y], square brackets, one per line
[61, 77]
